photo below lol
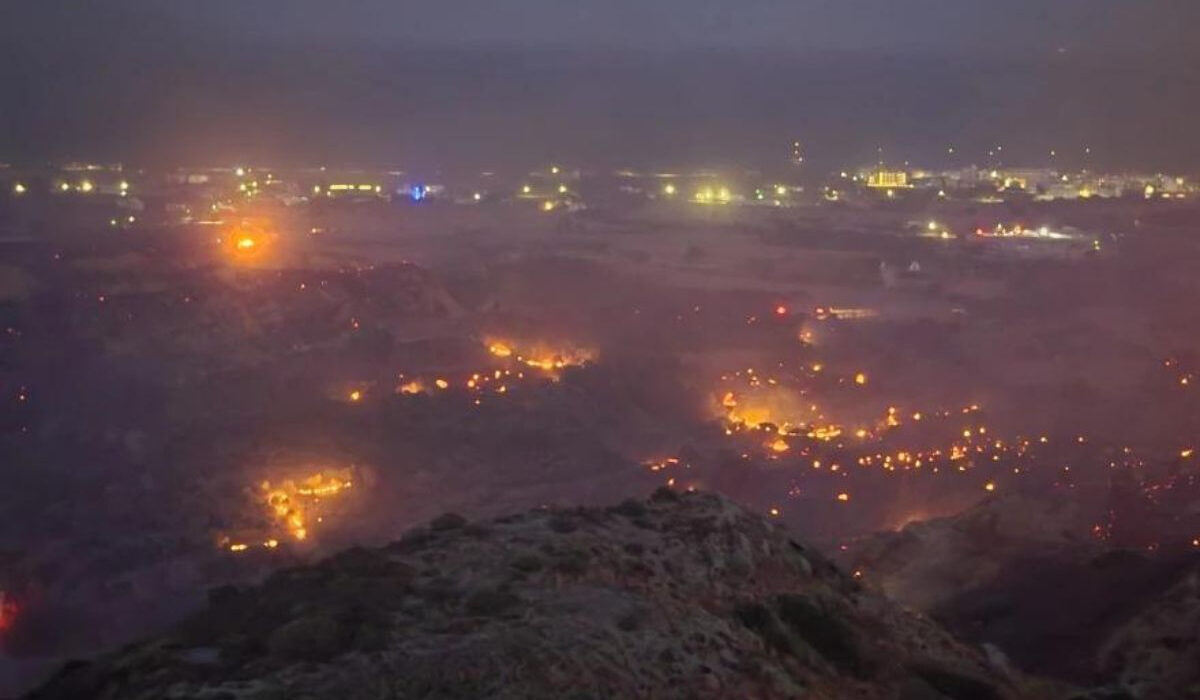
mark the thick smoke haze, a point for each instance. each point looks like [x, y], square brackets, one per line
[468, 84]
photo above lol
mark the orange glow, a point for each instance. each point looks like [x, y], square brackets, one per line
[545, 357]
[843, 497]
[356, 395]
[860, 379]
[247, 242]
[8, 611]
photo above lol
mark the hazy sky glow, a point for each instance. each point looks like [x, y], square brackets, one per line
[777, 24]
[659, 81]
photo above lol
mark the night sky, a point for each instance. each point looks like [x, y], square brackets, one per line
[488, 82]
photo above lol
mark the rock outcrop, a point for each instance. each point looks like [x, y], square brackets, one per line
[684, 595]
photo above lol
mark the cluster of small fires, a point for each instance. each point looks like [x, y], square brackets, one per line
[294, 507]
[776, 411]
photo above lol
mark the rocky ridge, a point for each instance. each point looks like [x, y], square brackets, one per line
[683, 595]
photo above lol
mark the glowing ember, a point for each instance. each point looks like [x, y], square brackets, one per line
[825, 433]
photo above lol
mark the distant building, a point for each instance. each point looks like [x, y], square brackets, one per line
[888, 179]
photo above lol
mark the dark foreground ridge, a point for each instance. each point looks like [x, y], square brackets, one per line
[684, 595]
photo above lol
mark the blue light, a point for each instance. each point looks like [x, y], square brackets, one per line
[418, 193]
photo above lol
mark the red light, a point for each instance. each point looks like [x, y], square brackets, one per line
[781, 310]
[8, 611]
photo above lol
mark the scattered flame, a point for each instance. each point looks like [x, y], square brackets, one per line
[291, 503]
[538, 356]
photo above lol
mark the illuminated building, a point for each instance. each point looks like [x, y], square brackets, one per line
[888, 179]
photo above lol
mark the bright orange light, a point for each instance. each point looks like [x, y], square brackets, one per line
[843, 497]
[356, 395]
[860, 379]
[246, 243]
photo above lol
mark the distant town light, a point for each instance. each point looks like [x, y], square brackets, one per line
[19, 189]
[124, 186]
